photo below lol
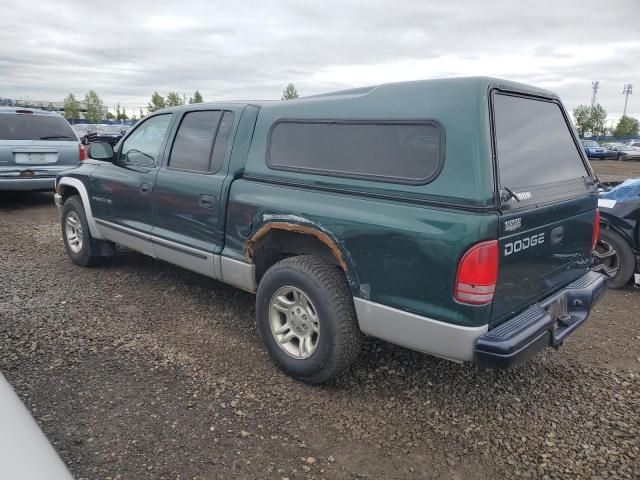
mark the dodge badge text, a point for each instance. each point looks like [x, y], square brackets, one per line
[523, 243]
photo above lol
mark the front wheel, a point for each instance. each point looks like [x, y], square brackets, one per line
[81, 247]
[613, 257]
[306, 319]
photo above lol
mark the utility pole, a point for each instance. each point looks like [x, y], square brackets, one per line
[594, 86]
[626, 91]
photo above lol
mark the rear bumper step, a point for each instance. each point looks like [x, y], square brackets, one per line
[545, 324]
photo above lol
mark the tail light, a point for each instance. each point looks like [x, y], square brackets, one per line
[596, 230]
[82, 152]
[478, 274]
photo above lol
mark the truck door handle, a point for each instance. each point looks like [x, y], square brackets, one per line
[146, 189]
[207, 201]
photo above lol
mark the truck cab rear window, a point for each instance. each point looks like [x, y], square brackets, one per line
[534, 143]
[398, 152]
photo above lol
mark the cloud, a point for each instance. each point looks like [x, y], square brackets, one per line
[251, 49]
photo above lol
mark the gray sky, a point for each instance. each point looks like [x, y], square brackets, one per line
[250, 50]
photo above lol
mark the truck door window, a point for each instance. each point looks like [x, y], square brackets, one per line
[142, 147]
[193, 147]
[220, 148]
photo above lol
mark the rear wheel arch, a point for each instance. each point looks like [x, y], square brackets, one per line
[276, 241]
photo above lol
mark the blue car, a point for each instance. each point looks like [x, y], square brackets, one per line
[35, 145]
[594, 150]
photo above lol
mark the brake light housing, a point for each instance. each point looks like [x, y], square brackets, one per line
[477, 274]
[82, 152]
[596, 230]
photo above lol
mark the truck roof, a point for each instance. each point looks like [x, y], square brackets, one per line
[417, 89]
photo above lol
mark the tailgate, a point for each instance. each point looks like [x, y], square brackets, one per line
[550, 248]
[548, 201]
[29, 139]
[26, 154]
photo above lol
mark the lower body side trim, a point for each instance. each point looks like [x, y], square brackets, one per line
[446, 340]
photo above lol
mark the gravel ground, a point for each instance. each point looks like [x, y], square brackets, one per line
[139, 370]
[614, 171]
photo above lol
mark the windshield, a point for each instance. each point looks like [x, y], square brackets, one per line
[534, 143]
[590, 143]
[24, 126]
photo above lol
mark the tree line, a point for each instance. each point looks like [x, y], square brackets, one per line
[95, 105]
[593, 119]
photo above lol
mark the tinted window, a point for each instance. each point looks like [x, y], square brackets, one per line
[222, 139]
[534, 143]
[142, 147]
[405, 152]
[28, 126]
[193, 145]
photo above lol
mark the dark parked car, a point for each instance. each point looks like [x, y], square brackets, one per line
[410, 212]
[594, 149]
[624, 152]
[617, 252]
[35, 145]
[86, 132]
[109, 133]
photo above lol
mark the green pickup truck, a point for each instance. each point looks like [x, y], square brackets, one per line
[455, 217]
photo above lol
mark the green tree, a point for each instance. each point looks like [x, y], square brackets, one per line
[141, 114]
[71, 108]
[590, 119]
[627, 127]
[110, 116]
[174, 99]
[197, 98]
[121, 114]
[94, 106]
[290, 92]
[157, 102]
[598, 120]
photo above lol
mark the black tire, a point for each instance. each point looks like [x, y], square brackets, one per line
[89, 253]
[626, 261]
[326, 286]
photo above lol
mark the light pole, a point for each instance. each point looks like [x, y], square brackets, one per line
[595, 86]
[626, 91]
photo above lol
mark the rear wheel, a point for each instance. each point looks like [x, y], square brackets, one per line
[306, 318]
[614, 258]
[81, 247]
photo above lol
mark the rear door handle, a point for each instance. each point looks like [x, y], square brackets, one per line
[207, 201]
[146, 189]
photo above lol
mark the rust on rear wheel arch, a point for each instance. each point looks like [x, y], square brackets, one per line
[294, 227]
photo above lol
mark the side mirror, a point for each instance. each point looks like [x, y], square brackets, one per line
[100, 151]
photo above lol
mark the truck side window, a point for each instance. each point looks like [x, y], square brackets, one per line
[193, 146]
[142, 147]
[395, 151]
[222, 139]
